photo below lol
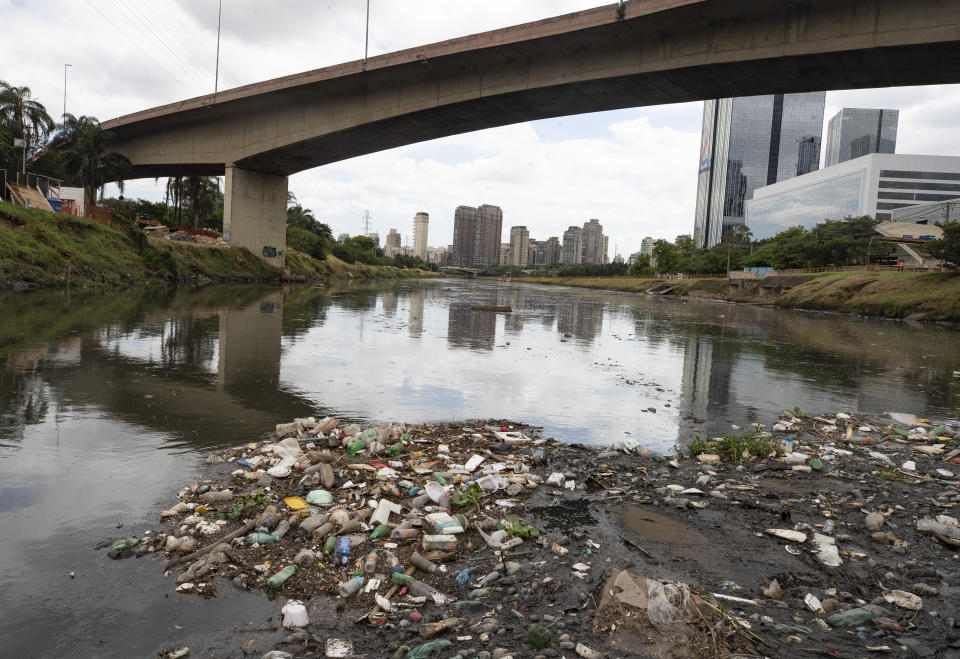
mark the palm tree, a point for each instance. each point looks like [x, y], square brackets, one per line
[174, 190]
[24, 117]
[203, 194]
[84, 148]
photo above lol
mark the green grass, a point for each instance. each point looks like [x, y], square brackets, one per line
[736, 448]
[930, 296]
[38, 248]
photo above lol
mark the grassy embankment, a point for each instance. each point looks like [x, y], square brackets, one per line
[44, 249]
[927, 296]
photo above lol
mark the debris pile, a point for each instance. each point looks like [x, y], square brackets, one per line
[830, 533]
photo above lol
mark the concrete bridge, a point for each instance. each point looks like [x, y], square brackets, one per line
[641, 52]
[469, 272]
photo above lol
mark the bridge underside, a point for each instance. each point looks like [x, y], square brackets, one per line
[659, 52]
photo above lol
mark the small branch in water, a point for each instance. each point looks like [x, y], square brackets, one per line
[637, 546]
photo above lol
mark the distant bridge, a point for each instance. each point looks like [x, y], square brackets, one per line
[641, 52]
[470, 272]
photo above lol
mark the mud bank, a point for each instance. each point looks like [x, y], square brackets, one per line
[915, 296]
[612, 552]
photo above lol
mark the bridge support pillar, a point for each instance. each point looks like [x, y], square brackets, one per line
[255, 213]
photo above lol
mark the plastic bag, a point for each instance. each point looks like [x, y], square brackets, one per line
[667, 602]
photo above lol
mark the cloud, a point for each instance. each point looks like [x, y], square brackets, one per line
[634, 169]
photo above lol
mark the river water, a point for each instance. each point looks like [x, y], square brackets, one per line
[107, 401]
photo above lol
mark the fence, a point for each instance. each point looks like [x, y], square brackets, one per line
[837, 268]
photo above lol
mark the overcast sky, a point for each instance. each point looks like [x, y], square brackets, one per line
[634, 170]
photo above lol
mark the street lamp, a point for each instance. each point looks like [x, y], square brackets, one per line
[63, 116]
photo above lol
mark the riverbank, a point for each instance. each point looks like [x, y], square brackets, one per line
[524, 544]
[931, 296]
[41, 249]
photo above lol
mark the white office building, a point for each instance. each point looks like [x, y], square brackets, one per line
[875, 185]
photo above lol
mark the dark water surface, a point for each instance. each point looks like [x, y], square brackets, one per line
[107, 401]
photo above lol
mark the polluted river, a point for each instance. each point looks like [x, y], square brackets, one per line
[644, 476]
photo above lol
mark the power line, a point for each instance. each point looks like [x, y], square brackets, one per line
[149, 56]
[176, 14]
[139, 25]
[200, 58]
[182, 62]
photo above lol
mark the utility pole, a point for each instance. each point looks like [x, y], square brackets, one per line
[63, 116]
[216, 72]
[366, 35]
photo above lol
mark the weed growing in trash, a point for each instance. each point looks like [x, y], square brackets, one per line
[735, 448]
[468, 497]
[890, 474]
[796, 412]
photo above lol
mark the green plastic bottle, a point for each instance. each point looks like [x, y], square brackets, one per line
[330, 545]
[354, 447]
[401, 579]
[395, 449]
[380, 531]
[440, 479]
[260, 538]
[280, 577]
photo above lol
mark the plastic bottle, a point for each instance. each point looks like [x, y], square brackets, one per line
[401, 579]
[380, 532]
[330, 545]
[221, 495]
[351, 586]
[260, 538]
[396, 449]
[370, 562]
[403, 534]
[431, 629]
[422, 563]
[355, 447]
[342, 554]
[280, 577]
[281, 529]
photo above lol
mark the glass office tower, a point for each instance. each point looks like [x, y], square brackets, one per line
[747, 143]
[855, 132]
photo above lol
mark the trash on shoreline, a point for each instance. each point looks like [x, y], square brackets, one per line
[395, 523]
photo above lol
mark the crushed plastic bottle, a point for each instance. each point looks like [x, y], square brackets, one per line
[280, 577]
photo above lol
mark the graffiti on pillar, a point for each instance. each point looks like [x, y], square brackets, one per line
[269, 252]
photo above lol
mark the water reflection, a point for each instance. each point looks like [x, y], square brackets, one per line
[206, 367]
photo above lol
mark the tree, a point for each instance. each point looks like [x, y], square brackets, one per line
[641, 266]
[302, 218]
[948, 247]
[203, 196]
[24, 117]
[86, 155]
[666, 256]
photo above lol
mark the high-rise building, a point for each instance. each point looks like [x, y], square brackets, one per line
[572, 245]
[875, 184]
[749, 142]
[392, 245]
[486, 245]
[519, 246]
[421, 223]
[604, 258]
[535, 252]
[504, 254]
[375, 237]
[343, 237]
[855, 132]
[464, 235]
[552, 252]
[646, 246]
[593, 245]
